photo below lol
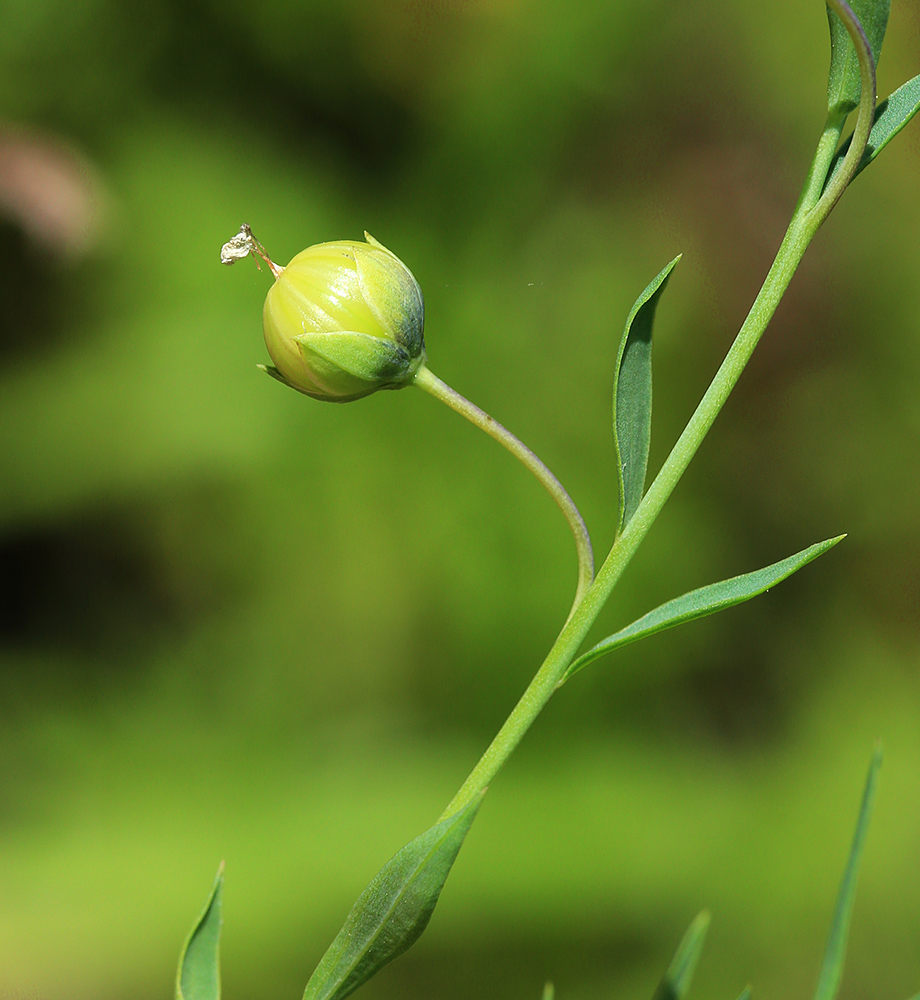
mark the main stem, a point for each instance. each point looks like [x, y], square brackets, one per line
[800, 232]
[428, 381]
[810, 212]
[573, 634]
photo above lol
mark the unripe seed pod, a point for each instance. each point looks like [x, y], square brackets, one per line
[343, 320]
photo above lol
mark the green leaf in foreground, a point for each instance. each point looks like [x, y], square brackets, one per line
[391, 913]
[198, 977]
[745, 993]
[549, 992]
[702, 602]
[676, 980]
[835, 952]
[891, 116]
[843, 80]
[632, 396]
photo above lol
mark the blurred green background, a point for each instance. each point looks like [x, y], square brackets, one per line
[238, 624]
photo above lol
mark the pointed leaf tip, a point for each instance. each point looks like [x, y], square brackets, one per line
[676, 981]
[632, 396]
[703, 602]
[835, 952]
[393, 911]
[198, 977]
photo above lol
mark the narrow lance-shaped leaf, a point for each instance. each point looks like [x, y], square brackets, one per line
[835, 952]
[549, 992]
[843, 81]
[391, 913]
[702, 602]
[676, 980]
[632, 397]
[745, 993]
[890, 117]
[198, 977]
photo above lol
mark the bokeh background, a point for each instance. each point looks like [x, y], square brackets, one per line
[238, 624]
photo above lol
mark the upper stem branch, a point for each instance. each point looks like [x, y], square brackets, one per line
[865, 115]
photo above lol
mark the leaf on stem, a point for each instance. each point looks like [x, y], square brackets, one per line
[198, 977]
[835, 952]
[632, 397]
[843, 81]
[891, 116]
[391, 913]
[676, 980]
[702, 602]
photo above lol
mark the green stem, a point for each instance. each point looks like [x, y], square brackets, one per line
[550, 674]
[428, 381]
[811, 211]
[865, 116]
[817, 175]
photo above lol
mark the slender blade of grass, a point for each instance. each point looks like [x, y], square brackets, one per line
[198, 977]
[835, 952]
[676, 981]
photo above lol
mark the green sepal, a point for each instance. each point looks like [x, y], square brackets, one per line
[676, 981]
[632, 397]
[844, 84]
[391, 913]
[393, 296]
[702, 602]
[364, 390]
[835, 952]
[198, 977]
[360, 356]
[891, 116]
[275, 374]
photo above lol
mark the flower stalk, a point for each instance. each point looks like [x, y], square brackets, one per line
[427, 380]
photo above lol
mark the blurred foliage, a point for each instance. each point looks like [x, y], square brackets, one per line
[239, 624]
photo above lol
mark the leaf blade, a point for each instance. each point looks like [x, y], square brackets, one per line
[835, 951]
[676, 981]
[198, 976]
[843, 79]
[394, 909]
[703, 601]
[891, 116]
[632, 396]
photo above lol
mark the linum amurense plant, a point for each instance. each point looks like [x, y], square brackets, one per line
[345, 319]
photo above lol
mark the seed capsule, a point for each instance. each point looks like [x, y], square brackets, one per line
[343, 320]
